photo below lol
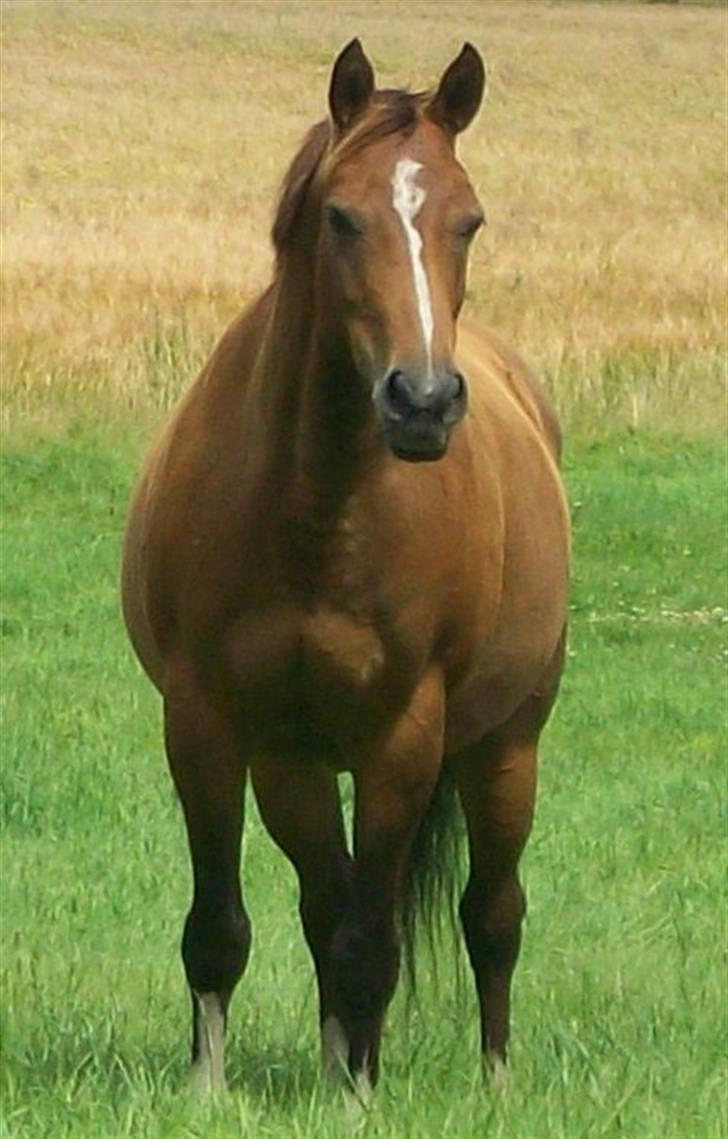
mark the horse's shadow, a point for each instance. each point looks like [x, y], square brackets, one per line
[267, 1074]
[263, 1072]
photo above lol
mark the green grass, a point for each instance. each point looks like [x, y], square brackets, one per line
[620, 996]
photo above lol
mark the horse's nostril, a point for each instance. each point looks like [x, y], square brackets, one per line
[438, 396]
[394, 381]
[458, 385]
[397, 391]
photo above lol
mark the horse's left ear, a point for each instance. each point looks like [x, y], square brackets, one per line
[456, 101]
[352, 86]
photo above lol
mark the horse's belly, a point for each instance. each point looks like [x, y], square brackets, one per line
[508, 667]
[490, 695]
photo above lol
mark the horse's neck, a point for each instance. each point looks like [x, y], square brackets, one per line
[319, 418]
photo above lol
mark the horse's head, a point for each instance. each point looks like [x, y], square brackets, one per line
[392, 213]
[398, 215]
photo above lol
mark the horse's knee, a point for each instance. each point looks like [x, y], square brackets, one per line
[492, 920]
[215, 948]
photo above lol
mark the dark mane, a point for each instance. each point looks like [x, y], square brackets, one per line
[391, 111]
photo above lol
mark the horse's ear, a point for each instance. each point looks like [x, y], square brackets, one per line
[456, 101]
[352, 86]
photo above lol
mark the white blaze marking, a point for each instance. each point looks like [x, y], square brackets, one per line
[408, 199]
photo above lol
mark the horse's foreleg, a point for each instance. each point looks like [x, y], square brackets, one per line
[393, 788]
[300, 805]
[204, 757]
[496, 781]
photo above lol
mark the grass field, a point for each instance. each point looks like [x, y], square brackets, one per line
[620, 997]
[142, 144]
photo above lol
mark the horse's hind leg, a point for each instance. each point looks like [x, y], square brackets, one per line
[204, 757]
[496, 781]
[497, 784]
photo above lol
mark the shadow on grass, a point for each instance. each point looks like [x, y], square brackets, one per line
[83, 1063]
[281, 1075]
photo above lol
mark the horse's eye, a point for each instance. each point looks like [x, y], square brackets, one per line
[469, 226]
[343, 222]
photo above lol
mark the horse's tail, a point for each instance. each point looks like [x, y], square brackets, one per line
[429, 899]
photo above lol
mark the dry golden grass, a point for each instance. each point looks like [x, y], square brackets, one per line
[143, 144]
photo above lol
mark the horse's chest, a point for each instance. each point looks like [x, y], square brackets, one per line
[340, 654]
[322, 678]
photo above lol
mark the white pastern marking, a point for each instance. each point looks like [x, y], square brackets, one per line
[335, 1049]
[408, 199]
[363, 1089]
[335, 1053]
[498, 1074]
[208, 1071]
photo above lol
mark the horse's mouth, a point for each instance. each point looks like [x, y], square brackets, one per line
[419, 454]
[423, 443]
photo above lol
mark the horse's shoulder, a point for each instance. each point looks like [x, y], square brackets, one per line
[496, 363]
[215, 393]
[234, 355]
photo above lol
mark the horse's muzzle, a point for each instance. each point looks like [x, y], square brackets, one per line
[419, 415]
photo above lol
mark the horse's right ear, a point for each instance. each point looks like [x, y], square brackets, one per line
[351, 88]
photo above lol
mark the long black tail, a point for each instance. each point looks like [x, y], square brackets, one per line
[430, 898]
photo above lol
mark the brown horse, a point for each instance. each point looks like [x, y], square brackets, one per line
[348, 552]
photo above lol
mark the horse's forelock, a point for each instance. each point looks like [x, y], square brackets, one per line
[390, 112]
